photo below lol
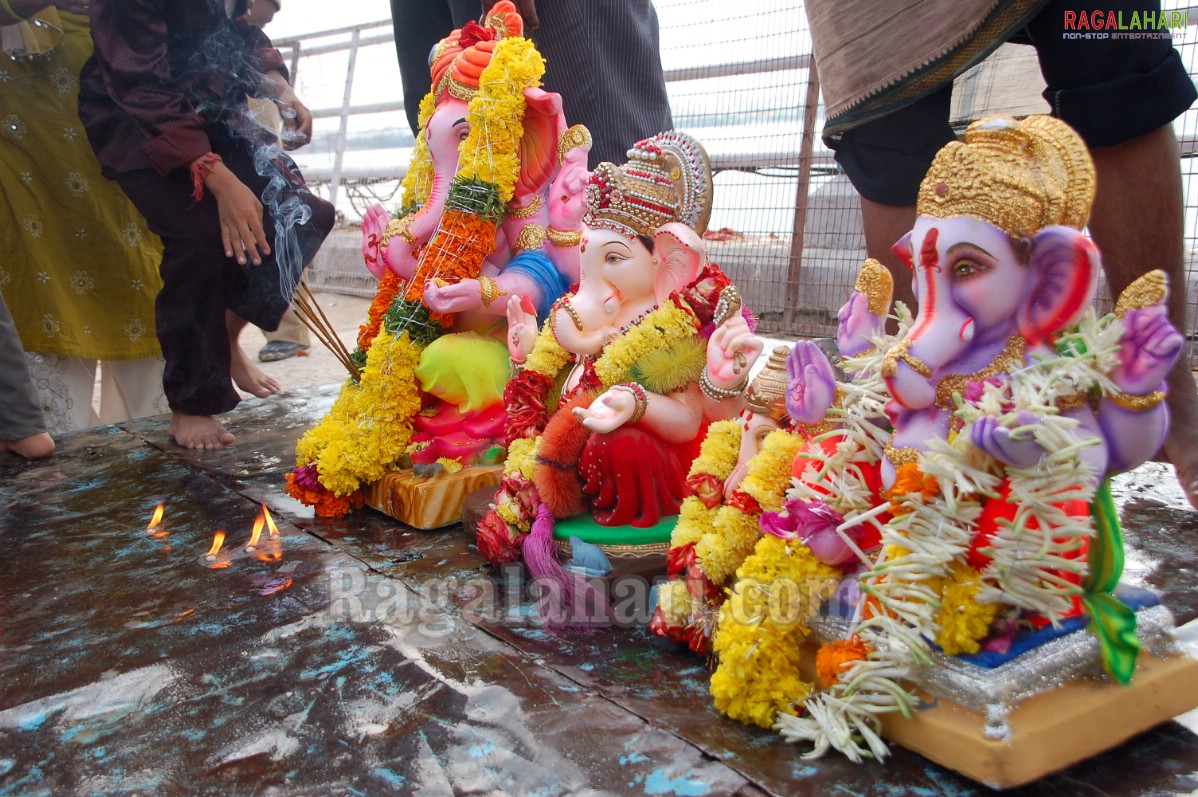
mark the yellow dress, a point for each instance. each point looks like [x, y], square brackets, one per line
[78, 268]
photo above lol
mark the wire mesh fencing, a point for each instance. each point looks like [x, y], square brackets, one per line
[786, 224]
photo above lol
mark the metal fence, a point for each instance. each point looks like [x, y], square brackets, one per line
[786, 223]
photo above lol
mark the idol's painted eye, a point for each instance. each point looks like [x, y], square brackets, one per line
[963, 269]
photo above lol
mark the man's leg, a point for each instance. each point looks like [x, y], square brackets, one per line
[884, 225]
[886, 160]
[1141, 179]
[289, 339]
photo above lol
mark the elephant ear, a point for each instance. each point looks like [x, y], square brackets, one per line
[680, 252]
[1064, 277]
[544, 123]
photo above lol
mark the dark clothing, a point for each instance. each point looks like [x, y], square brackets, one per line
[609, 75]
[418, 26]
[163, 74]
[166, 85]
[1108, 90]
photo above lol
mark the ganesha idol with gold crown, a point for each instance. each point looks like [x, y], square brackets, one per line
[938, 563]
[489, 216]
[618, 386]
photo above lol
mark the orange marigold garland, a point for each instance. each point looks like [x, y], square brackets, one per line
[389, 286]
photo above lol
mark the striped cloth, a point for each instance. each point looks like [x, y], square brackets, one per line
[603, 57]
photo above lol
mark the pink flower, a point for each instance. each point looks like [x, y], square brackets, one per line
[814, 523]
[497, 542]
[975, 388]
[307, 478]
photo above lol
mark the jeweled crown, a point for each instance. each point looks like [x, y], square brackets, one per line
[667, 178]
[1020, 176]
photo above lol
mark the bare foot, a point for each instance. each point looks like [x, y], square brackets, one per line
[38, 446]
[248, 376]
[199, 431]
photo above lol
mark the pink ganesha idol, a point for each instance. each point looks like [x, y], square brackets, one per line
[620, 383]
[530, 251]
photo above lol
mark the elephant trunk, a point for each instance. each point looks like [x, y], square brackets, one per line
[424, 221]
[943, 332]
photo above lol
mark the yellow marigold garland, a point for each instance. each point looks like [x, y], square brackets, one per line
[720, 448]
[418, 182]
[491, 152]
[547, 356]
[760, 629]
[770, 471]
[369, 426]
[732, 537]
[659, 329]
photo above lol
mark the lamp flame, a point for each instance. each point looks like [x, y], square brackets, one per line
[155, 520]
[217, 542]
[270, 522]
[259, 522]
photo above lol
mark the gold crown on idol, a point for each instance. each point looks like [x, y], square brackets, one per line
[767, 392]
[1020, 176]
[667, 178]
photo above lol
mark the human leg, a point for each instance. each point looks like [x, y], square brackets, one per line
[1141, 179]
[190, 308]
[64, 387]
[610, 78]
[246, 375]
[418, 25]
[131, 389]
[886, 160]
[22, 424]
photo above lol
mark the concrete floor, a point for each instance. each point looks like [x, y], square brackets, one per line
[358, 656]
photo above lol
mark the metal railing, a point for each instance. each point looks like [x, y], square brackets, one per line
[786, 224]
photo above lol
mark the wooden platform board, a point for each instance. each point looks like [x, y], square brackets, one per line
[429, 503]
[1052, 730]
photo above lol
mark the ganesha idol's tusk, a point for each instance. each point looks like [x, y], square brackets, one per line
[727, 306]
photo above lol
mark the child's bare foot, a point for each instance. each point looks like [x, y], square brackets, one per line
[38, 446]
[250, 377]
[199, 431]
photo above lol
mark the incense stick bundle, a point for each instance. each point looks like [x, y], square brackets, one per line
[312, 314]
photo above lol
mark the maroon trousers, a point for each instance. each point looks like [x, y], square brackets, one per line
[200, 283]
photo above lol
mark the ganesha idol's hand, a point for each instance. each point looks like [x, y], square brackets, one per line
[608, 412]
[521, 328]
[374, 223]
[453, 298]
[857, 326]
[731, 351]
[810, 383]
[1148, 349]
[567, 203]
[1016, 447]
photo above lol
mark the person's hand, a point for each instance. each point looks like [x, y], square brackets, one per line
[241, 231]
[455, 297]
[297, 121]
[527, 9]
